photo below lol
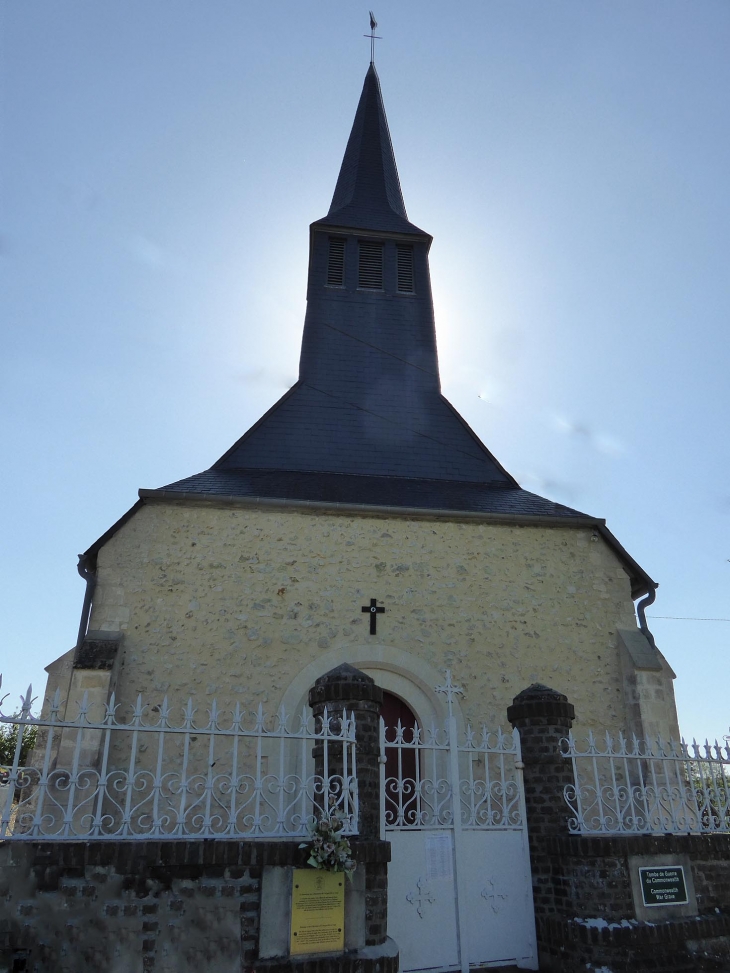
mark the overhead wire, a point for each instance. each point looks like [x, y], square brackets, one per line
[688, 618]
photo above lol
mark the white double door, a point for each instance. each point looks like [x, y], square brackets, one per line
[451, 912]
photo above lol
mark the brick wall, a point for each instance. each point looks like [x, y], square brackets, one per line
[170, 907]
[592, 916]
[127, 906]
[593, 872]
[585, 912]
[376, 903]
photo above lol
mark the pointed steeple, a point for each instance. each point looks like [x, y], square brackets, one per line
[368, 193]
[366, 423]
[368, 401]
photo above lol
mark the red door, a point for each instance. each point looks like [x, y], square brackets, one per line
[400, 762]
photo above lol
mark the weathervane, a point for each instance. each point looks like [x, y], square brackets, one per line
[373, 37]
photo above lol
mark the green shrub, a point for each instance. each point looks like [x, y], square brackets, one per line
[9, 740]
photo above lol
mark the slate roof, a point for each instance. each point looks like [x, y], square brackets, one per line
[366, 423]
[381, 428]
[385, 491]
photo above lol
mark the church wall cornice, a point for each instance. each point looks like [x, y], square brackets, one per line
[368, 510]
[641, 582]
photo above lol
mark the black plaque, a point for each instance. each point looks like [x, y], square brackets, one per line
[663, 885]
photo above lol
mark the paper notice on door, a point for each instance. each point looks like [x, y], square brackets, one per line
[439, 859]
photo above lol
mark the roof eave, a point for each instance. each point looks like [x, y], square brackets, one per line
[641, 582]
[91, 552]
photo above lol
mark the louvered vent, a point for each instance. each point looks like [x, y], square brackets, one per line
[405, 269]
[371, 266]
[336, 263]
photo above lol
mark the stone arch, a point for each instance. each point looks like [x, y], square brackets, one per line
[397, 671]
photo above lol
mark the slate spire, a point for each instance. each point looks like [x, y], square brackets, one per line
[368, 401]
[368, 193]
[366, 422]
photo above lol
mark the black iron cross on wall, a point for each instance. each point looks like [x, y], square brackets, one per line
[374, 611]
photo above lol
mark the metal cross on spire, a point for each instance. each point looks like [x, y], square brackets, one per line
[373, 36]
[449, 690]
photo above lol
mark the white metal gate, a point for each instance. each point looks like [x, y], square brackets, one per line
[459, 884]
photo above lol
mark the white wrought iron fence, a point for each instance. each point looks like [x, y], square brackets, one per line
[434, 769]
[431, 779]
[163, 774]
[623, 785]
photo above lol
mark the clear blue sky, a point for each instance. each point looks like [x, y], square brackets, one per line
[161, 162]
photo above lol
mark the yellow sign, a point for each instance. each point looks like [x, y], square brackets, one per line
[317, 911]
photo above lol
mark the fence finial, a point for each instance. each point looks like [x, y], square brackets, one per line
[27, 701]
[450, 691]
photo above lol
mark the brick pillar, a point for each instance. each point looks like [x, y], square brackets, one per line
[347, 688]
[543, 716]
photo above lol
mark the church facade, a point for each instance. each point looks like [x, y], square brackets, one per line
[323, 623]
[249, 580]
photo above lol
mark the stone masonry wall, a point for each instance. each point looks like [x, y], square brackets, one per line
[233, 602]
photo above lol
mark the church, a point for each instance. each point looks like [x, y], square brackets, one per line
[359, 548]
[362, 487]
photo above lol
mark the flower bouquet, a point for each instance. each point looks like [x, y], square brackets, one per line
[329, 849]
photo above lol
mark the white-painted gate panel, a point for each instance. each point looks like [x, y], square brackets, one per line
[459, 883]
[422, 903]
[498, 903]
[421, 909]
